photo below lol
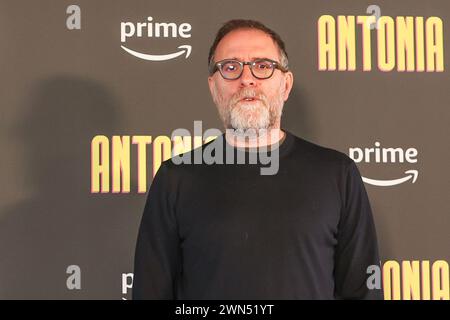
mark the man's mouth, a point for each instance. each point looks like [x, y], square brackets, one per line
[247, 99]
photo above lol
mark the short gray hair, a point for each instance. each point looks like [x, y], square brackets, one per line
[247, 24]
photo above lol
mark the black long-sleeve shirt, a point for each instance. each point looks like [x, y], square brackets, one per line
[227, 232]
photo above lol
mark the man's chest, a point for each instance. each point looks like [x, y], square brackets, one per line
[251, 211]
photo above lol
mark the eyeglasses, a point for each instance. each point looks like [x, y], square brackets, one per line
[231, 69]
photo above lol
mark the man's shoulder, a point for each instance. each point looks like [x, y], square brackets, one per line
[185, 162]
[319, 153]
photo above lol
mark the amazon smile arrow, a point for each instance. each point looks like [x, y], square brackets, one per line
[161, 57]
[411, 174]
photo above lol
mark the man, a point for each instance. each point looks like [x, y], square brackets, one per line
[225, 231]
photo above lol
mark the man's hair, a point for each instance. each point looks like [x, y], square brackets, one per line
[236, 24]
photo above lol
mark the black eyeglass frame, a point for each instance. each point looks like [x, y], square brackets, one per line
[275, 65]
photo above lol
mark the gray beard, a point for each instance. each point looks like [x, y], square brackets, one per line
[246, 116]
[249, 117]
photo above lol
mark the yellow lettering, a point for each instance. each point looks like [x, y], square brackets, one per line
[142, 142]
[440, 280]
[365, 22]
[391, 280]
[435, 44]
[405, 43]
[386, 47]
[420, 51]
[100, 164]
[346, 43]
[121, 164]
[411, 280]
[327, 43]
[162, 150]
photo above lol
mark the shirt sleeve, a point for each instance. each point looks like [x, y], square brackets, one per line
[157, 261]
[357, 246]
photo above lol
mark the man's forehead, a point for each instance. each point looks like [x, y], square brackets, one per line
[246, 44]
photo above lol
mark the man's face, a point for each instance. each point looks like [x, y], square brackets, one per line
[249, 102]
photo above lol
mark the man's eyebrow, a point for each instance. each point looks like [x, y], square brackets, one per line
[258, 58]
[251, 59]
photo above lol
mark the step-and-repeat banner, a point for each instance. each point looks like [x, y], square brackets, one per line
[92, 90]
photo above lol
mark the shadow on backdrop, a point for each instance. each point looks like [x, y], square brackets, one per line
[62, 223]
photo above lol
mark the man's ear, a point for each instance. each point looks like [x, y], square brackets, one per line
[211, 85]
[289, 82]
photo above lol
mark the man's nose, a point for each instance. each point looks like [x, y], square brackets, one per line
[247, 78]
